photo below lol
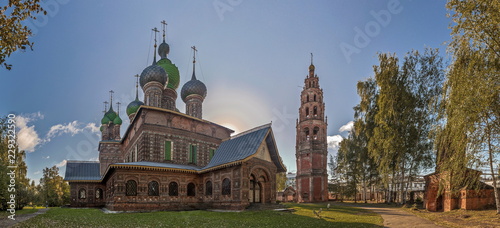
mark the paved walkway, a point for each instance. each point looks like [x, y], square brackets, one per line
[6, 222]
[394, 217]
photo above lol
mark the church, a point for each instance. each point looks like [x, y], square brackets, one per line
[168, 160]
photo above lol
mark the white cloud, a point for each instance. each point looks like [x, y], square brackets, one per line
[62, 163]
[27, 137]
[347, 127]
[37, 172]
[334, 141]
[46, 157]
[92, 127]
[72, 128]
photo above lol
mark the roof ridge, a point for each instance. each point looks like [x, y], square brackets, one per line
[77, 161]
[252, 130]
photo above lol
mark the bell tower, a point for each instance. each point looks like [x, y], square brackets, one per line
[311, 145]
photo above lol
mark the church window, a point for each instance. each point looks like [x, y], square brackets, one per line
[307, 98]
[191, 189]
[98, 193]
[307, 133]
[82, 194]
[307, 111]
[315, 111]
[192, 153]
[153, 189]
[208, 188]
[314, 97]
[173, 189]
[226, 187]
[131, 188]
[168, 150]
[315, 132]
[211, 153]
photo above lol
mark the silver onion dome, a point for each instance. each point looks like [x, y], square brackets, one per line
[153, 73]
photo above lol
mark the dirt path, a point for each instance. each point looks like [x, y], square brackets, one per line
[5, 222]
[394, 217]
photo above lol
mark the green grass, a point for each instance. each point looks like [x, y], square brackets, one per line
[337, 216]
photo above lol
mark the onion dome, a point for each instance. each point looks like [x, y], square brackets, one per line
[101, 128]
[194, 86]
[117, 120]
[172, 72]
[153, 73]
[134, 106]
[163, 50]
[105, 120]
[311, 67]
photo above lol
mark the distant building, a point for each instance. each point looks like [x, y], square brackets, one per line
[290, 180]
[311, 145]
[168, 160]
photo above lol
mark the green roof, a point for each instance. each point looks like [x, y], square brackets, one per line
[172, 72]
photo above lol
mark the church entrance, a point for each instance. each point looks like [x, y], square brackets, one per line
[255, 191]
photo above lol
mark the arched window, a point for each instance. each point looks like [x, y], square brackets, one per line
[307, 98]
[208, 188]
[98, 193]
[226, 187]
[307, 111]
[307, 133]
[82, 194]
[191, 189]
[173, 189]
[153, 189]
[314, 97]
[315, 132]
[131, 188]
[315, 111]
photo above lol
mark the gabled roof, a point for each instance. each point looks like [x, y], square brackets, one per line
[245, 145]
[82, 171]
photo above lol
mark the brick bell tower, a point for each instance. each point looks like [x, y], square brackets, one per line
[311, 145]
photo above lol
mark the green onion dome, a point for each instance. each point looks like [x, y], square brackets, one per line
[101, 128]
[134, 106]
[117, 120]
[153, 73]
[172, 72]
[105, 120]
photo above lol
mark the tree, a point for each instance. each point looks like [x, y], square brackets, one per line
[281, 181]
[13, 35]
[472, 91]
[54, 190]
[10, 155]
[401, 143]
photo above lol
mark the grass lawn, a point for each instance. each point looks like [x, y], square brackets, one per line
[460, 218]
[337, 216]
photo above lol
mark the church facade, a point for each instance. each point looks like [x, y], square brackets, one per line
[311, 143]
[168, 160]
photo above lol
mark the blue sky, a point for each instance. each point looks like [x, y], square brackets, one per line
[253, 57]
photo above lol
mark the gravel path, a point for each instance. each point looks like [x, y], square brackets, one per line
[6, 222]
[396, 218]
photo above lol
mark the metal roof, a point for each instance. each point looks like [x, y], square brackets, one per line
[82, 171]
[239, 147]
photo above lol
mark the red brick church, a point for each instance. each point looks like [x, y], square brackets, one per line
[168, 160]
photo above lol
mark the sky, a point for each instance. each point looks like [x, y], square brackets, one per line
[253, 56]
